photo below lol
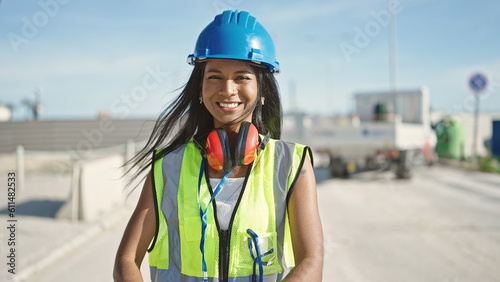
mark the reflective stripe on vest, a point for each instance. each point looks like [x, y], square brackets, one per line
[175, 254]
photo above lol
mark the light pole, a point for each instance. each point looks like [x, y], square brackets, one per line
[328, 62]
[393, 50]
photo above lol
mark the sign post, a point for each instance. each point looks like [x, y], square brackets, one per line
[477, 83]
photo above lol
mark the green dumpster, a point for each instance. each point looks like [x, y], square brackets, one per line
[450, 139]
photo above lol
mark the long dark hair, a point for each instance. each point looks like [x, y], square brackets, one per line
[186, 119]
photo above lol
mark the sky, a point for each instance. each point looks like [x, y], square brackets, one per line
[128, 58]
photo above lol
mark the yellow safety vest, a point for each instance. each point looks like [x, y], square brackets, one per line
[175, 253]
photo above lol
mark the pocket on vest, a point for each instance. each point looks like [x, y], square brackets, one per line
[245, 253]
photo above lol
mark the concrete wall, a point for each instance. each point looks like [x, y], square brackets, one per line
[101, 187]
[87, 149]
[97, 189]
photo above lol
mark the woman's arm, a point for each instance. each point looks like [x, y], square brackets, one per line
[137, 237]
[305, 227]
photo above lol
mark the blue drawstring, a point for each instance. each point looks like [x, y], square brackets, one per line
[203, 214]
[255, 260]
[258, 258]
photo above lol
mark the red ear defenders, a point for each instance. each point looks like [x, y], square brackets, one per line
[218, 152]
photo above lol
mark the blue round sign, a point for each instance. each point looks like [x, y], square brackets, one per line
[478, 82]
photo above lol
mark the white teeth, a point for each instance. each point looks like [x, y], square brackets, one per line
[228, 105]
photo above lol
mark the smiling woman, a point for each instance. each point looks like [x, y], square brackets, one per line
[262, 208]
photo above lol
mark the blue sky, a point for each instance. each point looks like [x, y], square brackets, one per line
[128, 57]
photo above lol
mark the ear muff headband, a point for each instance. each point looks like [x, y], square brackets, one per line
[219, 153]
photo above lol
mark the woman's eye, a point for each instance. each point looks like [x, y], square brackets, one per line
[214, 77]
[242, 78]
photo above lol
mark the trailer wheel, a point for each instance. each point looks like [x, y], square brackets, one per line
[338, 168]
[370, 163]
[404, 169]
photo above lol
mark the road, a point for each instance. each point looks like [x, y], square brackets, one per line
[443, 225]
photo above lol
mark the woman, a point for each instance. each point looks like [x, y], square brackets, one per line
[218, 202]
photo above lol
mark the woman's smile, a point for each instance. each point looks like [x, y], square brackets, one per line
[228, 106]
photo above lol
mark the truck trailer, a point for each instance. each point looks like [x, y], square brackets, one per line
[387, 130]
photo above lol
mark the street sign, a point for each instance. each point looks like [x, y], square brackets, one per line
[478, 82]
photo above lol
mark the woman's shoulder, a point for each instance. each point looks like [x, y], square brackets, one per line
[286, 142]
[163, 151]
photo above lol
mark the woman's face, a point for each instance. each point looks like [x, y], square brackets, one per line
[229, 90]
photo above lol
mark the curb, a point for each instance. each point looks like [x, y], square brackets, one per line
[58, 253]
[455, 163]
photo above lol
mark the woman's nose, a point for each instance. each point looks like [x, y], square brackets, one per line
[228, 89]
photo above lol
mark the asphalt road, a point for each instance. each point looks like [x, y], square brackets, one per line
[443, 225]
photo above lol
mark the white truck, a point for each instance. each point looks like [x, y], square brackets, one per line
[387, 131]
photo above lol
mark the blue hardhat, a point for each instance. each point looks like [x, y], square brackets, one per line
[236, 35]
